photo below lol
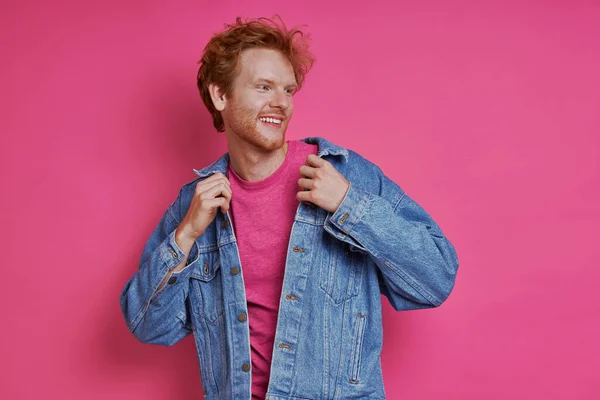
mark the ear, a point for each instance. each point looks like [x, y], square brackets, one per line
[218, 97]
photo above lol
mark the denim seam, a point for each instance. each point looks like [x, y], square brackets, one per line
[411, 282]
[144, 310]
[295, 370]
[330, 280]
[209, 353]
[361, 207]
[357, 345]
[326, 352]
[406, 278]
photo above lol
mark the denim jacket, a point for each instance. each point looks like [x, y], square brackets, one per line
[329, 328]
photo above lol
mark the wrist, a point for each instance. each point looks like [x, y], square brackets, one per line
[184, 238]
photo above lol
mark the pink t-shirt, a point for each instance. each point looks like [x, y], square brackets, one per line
[262, 214]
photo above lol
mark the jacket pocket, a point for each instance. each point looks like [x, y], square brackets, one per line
[341, 272]
[206, 291]
[357, 344]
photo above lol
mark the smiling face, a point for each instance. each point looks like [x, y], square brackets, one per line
[260, 106]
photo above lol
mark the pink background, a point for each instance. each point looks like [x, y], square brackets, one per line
[487, 114]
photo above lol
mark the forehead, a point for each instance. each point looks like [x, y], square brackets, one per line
[258, 63]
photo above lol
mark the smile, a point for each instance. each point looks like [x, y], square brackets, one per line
[270, 120]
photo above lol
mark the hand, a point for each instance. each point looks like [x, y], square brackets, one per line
[212, 193]
[321, 184]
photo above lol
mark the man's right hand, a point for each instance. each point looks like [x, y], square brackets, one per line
[211, 194]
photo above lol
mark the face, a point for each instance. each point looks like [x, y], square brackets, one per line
[260, 106]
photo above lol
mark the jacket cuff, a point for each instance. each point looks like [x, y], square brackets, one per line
[350, 210]
[172, 255]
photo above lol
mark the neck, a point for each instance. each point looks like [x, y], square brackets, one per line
[252, 163]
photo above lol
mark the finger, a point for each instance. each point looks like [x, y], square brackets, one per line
[219, 202]
[222, 201]
[225, 204]
[307, 171]
[205, 186]
[306, 184]
[213, 178]
[216, 175]
[216, 191]
[315, 160]
[304, 196]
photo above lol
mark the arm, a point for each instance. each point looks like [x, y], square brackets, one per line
[153, 301]
[417, 263]
[185, 244]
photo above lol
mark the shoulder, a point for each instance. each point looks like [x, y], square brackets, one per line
[186, 193]
[339, 155]
[367, 175]
[352, 161]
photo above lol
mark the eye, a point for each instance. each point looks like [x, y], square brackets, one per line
[263, 87]
[290, 91]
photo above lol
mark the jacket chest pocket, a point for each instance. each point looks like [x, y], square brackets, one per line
[206, 291]
[341, 272]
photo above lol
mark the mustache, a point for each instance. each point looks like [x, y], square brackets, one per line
[279, 113]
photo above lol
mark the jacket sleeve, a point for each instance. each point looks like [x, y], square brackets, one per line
[417, 263]
[160, 316]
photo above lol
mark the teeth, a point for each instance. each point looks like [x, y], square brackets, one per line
[271, 120]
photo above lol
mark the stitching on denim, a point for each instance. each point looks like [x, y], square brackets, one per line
[357, 344]
[208, 347]
[359, 211]
[409, 281]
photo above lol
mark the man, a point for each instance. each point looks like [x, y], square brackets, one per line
[276, 255]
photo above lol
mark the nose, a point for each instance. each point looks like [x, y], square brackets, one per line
[281, 100]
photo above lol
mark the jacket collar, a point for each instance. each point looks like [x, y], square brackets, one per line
[325, 148]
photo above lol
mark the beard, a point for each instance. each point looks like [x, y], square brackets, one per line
[244, 123]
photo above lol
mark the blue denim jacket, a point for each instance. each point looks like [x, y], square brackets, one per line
[329, 328]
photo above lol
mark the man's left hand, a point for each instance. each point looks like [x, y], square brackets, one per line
[321, 184]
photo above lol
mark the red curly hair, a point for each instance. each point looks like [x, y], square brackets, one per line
[220, 57]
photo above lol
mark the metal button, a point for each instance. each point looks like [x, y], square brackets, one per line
[173, 253]
[225, 223]
[235, 270]
[242, 317]
[245, 367]
[298, 250]
[172, 280]
[343, 219]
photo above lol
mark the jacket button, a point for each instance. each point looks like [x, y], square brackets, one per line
[343, 219]
[245, 367]
[173, 253]
[172, 280]
[235, 270]
[242, 317]
[225, 223]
